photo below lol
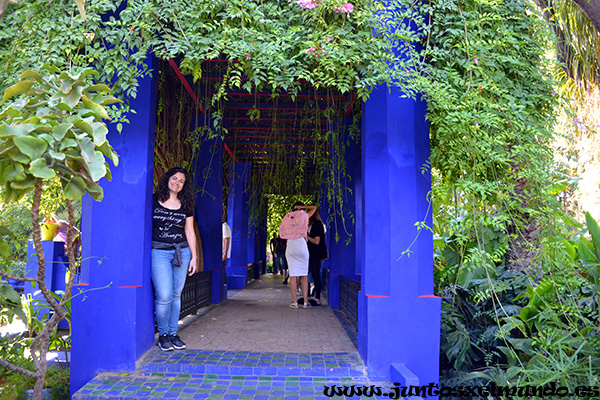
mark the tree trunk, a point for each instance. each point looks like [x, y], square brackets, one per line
[591, 8]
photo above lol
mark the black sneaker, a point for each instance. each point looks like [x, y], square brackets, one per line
[177, 343]
[164, 343]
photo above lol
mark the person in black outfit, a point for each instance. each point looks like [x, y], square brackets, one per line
[173, 251]
[317, 250]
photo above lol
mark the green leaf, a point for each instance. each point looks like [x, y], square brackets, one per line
[586, 252]
[13, 130]
[14, 172]
[87, 150]
[95, 191]
[31, 146]
[56, 156]
[4, 249]
[64, 107]
[97, 168]
[102, 88]
[15, 154]
[594, 231]
[97, 109]
[7, 293]
[109, 152]
[31, 74]
[10, 112]
[12, 300]
[27, 184]
[59, 131]
[73, 97]
[75, 188]
[40, 169]
[17, 89]
[85, 126]
[110, 100]
[67, 143]
[100, 132]
[7, 232]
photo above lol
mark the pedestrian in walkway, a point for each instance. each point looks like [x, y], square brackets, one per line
[173, 251]
[273, 248]
[226, 248]
[294, 228]
[317, 250]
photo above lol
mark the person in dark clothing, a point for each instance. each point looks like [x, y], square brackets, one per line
[317, 250]
[173, 251]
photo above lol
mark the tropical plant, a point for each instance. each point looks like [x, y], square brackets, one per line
[53, 129]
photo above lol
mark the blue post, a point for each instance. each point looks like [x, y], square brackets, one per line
[113, 321]
[342, 253]
[238, 221]
[399, 318]
[209, 210]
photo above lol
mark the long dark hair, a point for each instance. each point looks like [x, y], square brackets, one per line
[315, 217]
[186, 196]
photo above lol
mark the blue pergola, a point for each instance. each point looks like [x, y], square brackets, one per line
[398, 315]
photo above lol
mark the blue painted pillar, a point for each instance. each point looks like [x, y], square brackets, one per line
[252, 237]
[238, 215]
[262, 242]
[399, 318]
[342, 252]
[113, 321]
[209, 210]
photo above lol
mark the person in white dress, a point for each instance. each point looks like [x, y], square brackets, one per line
[294, 229]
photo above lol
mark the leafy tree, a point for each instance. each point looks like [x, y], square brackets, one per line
[52, 129]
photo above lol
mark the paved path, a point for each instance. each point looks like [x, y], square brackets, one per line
[259, 319]
[251, 347]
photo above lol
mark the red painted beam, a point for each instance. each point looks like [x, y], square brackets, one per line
[193, 95]
[185, 84]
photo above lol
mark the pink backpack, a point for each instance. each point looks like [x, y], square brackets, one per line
[294, 225]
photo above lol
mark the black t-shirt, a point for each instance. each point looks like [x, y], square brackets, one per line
[280, 245]
[168, 226]
[317, 250]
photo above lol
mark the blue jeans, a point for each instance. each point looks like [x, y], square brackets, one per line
[168, 284]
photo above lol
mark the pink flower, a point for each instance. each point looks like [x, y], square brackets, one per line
[581, 127]
[345, 8]
[308, 3]
[248, 57]
[324, 51]
[597, 126]
[476, 60]
[329, 39]
[576, 121]
[308, 51]
[476, 123]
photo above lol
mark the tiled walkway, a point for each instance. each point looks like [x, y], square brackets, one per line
[253, 346]
[259, 319]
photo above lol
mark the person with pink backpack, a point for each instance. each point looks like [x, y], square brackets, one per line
[294, 228]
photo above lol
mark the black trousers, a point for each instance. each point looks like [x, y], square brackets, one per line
[314, 267]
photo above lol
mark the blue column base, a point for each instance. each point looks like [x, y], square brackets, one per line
[333, 295]
[216, 290]
[411, 337]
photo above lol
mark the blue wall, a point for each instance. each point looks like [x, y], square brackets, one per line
[399, 318]
[209, 211]
[113, 322]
